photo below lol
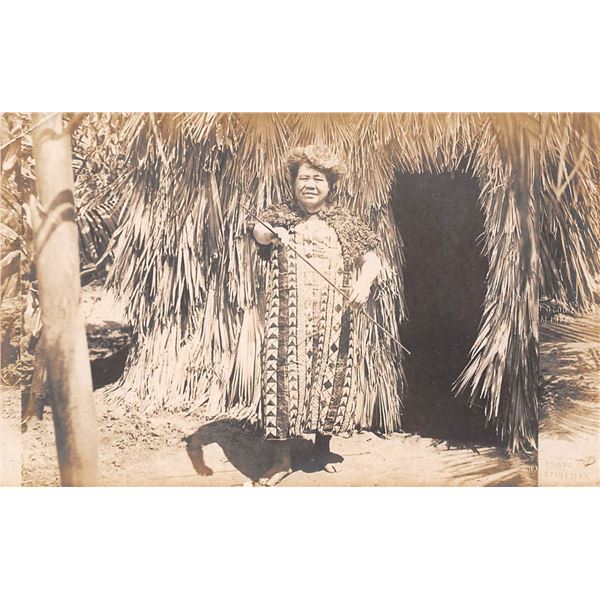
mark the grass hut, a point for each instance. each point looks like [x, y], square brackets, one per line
[192, 277]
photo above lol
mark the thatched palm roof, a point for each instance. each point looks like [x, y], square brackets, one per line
[192, 277]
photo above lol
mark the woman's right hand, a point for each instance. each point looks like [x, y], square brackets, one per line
[283, 236]
[271, 235]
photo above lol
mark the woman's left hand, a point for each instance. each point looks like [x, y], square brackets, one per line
[370, 268]
[359, 295]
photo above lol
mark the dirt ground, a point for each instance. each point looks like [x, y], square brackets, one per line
[175, 449]
[172, 449]
[189, 450]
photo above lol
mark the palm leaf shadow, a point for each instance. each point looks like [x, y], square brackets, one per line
[569, 368]
[489, 467]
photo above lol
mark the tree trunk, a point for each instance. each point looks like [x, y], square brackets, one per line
[56, 244]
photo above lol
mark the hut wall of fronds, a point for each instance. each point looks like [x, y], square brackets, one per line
[193, 279]
[570, 215]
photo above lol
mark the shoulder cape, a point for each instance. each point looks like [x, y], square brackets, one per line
[354, 235]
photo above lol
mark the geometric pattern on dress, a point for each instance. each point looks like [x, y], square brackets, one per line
[269, 393]
[347, 421]
[319, 375]
[346, 418]
[343, 418]
[308, 351]
[330, 350]
[283, 395]
[335, 363]
[306, 328]
[340, 417]
[304, 338]
[329, 311]
[293, 344]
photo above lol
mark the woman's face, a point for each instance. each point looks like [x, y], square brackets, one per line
[311, 188]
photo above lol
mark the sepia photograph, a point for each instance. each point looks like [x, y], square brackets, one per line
[300, 299]
[308, 292]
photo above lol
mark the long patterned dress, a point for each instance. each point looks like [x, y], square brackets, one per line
[307, 356]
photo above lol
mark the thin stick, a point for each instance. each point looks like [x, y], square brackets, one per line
[335, 287]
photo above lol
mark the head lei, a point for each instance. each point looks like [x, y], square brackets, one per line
[318, 157]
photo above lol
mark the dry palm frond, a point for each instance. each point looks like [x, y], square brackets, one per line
[193, 278]
[503, 364]
[570, 215]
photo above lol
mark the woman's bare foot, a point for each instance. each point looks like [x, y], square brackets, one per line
[333, 467]
[325, 459]
[274, 475]
[281, 468]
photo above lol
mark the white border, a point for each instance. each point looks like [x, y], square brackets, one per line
[265, 56]
[357, 543]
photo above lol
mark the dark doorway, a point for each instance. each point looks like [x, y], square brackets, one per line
[440, 222]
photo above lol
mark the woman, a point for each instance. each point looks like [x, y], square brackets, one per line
[307, 354]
